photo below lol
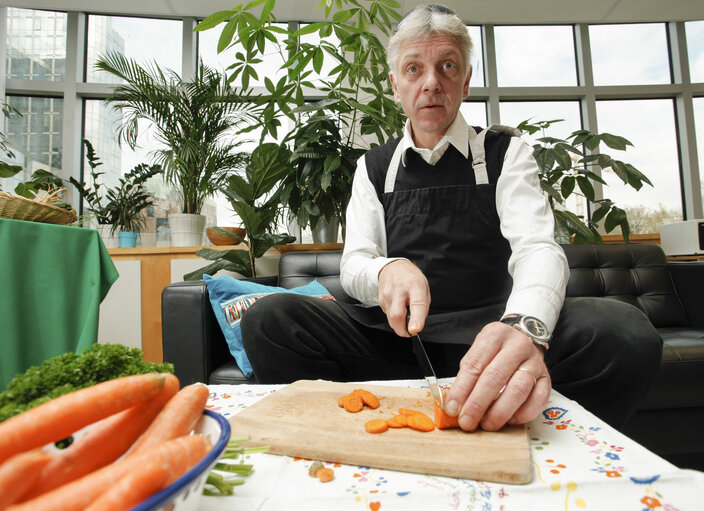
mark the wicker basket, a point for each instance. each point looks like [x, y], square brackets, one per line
[20, 208]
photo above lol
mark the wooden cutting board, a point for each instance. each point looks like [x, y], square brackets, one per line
[303, 419]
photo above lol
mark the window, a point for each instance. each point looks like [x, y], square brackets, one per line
[650, 126]
[145, 40]
[699, 127]
[695, 49]
[36, 44]
[535, 56]
[474, 112]
[477, 57]
[630, 54]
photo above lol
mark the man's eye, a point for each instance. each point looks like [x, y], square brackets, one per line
[412, 69]
[448, 66]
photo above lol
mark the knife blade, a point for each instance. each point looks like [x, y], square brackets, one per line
[427, 367]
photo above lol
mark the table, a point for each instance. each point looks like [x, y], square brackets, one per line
[580, 463]
[52, 280]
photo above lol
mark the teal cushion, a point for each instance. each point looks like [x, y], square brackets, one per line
[230, 299]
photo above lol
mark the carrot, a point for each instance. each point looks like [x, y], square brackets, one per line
[421, 422]
[442, 420]
[407, 412]
[352, 403]
[398, 421]
[104, 443]
[18, 474]
[367, 397]
[177, 418]
[60, 417]
[376, 426]
[180, 454]
[133, 488]
[341, 401]
[325, 474]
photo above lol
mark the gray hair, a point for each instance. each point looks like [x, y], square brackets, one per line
[424, 22]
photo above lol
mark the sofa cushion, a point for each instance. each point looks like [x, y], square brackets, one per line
[230, 298]
[637, 275]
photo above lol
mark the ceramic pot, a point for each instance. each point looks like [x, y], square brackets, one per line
[326, 231]
[108, 237]
[127, 239]
[186, 229]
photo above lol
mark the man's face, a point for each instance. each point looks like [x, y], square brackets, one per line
[430, 82]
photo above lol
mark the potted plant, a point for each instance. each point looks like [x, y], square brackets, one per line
[128, 201]
[356, 111]
[567, 166]
[255, 197]
[194, 122]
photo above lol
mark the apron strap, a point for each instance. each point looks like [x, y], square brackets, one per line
[390, 181]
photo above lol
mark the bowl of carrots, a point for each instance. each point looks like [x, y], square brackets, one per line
[185, 492]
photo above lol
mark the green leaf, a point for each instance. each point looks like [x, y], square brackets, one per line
[567, 186]
[586, 187]
[342, 16]
[309, 29]
[214, 19]
[615, 142]
[7, 170]
[226, 35]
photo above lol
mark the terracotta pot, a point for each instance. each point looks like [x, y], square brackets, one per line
[217, 238]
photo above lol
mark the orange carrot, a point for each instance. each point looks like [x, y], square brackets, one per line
[421, 422]
[177, 418]
[104, 443]
[442, 420]
[133, 488]
[60, 417]
[352, 403]
[367, 397]
[325, 474]
[341, 401]
[180, 454]
[407, 412]
[18, 474]
[398, 421]
[376, 426]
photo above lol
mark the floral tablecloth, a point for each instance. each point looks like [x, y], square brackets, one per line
[580, 463]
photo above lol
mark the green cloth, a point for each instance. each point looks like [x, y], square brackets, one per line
[52, 280]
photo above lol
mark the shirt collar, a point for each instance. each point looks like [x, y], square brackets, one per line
[457, 135]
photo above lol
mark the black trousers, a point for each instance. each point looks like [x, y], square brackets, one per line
[605, 354]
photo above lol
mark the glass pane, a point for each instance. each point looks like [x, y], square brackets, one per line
[144, 40]
[650, 126]
[270, 66]
[695, 49]
[474, 112]
[699, 127]
[34, 137]
[477, 59]
[514, 113]
[536, 55]
[36, 44]
[629, 54]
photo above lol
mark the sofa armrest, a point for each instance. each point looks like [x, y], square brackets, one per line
[688, 278]
[191, 337]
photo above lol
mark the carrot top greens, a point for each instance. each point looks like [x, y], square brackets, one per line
[70, 371]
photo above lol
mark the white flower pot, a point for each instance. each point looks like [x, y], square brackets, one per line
[186, 229]
[326, 231]
[109, 239]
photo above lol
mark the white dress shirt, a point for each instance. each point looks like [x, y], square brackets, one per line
[537, 264]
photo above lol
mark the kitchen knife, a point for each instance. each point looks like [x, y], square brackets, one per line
[427, 367]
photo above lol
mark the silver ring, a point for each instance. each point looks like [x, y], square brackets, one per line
[535, 381]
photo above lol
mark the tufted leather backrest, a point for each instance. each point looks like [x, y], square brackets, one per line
[634, 273]
[299, 268]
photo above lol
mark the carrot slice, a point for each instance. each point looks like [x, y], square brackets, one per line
[408, 412]
[178, 417]
[376, 426]
[180, 453]
[398, 421]
[64, 415]
[421, 422]
[352, 403]
[341, 401]
[104, 443]
[442, 420]
[325, 474]
[18, 474]
[368, 398]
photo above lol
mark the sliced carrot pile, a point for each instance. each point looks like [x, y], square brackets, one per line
[368, 398]
[352, 403]
[376, 426]
[408, 412]
[397, 421]
[358, 399]
[420, 422]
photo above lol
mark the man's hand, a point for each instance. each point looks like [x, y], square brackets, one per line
[402, 289]
[500, 356]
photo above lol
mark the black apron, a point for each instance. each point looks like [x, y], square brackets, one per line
[452, 233]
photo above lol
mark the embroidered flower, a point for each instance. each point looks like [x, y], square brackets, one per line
[612, 473]
[651, 502]
[592, 442]
[612, 456]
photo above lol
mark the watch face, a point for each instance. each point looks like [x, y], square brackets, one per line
[536, 328]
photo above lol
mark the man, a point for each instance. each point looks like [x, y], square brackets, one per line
[448, 234]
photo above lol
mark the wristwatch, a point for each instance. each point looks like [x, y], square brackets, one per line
[532, 327]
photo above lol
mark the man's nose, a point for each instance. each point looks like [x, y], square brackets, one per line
[431, 81]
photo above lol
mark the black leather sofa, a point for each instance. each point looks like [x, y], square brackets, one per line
[670, 293]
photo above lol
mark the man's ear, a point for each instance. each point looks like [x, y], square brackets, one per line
[397, 98]
[466, 82]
